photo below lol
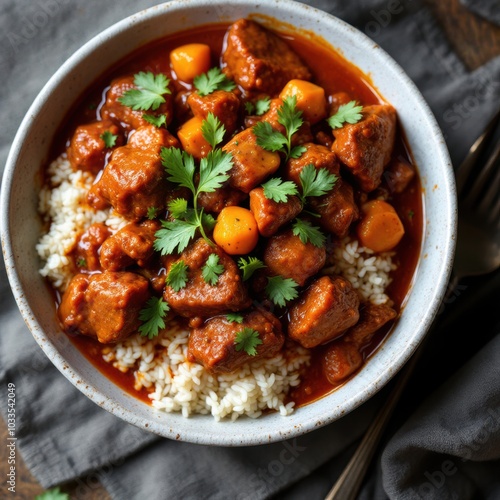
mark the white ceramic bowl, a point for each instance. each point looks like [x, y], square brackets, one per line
[21, 228]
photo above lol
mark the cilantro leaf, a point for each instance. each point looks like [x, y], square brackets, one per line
[153, 317]
[108, 138]
[234, 318]
[247, 340]
[262, 106]
[157, 121]
[273, 140]
[214, 79]
[307, 232]
[152, 212]
[214, 170]
[174, 236]
[177, 208]
[177, 276]
[249, 107]
[250, 266]
[212, 130]
[212, 269]
[278, 190]
[280, 290]
[268, 138]
[180, 166]
[149, 92]
[53, 494]
[316, 181]
[347, 113]
[81, 262]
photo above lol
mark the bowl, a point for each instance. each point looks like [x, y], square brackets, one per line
[21, 226]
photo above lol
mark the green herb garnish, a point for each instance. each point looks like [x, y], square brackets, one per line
[108, 138]
[308, 233]
[153, 317]
[212, 269]
[214, 79]
[250, 266]
[281, 290]
[149, 93]
[157, 121]
[234, 318]
[273, 140]
[247, 340]
[177, 276]
[176, 234]
[278, 190]
[347, 113]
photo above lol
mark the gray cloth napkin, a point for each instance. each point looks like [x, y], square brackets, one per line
[444, 440]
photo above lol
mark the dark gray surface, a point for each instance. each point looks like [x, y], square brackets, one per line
[444, 441]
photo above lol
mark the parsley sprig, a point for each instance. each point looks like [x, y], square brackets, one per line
[149, 93]
[214, 79]
[247, 340]
[281, 290]
[249, 266]
[308, 233]
[234, 318]
[108, 138]
[277, 190]
[273, 140]
[347, 113]
[177, 276]
[176, 234]
[152, 317]
[258, 108]
[212, 269]
[52, 494]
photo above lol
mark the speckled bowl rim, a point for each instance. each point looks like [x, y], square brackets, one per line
[421, 306]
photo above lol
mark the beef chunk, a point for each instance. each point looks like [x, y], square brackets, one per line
[337, 208]
[199, 298]
[86, 251]
[366, 147]
[259, 60]
[132, 182]
[340, 360]
[252, 164]
[287, 256]
[104, 305]
[152, 138]
[398, 174]
[87, 149]
[133, 244]
[372, 317]
[315, 154]
[271, 215]
[213, 343]
[324, 311]
[224, 105]
[343, 357]
[124, 116]
[220, 198]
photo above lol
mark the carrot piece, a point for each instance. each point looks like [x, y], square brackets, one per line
[310, 99]
[190, 60]
[380, 227]
[236, 230]
[191, 138]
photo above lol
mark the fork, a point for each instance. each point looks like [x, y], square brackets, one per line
[477, 253]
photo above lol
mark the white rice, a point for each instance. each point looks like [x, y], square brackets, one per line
[160, 365]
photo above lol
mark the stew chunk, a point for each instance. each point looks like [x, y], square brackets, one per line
[104, 305]
[199, 298]
[343, 357]
[259, 60]
[324, 311]
[132, 182]
[214, 344]
[365, 147]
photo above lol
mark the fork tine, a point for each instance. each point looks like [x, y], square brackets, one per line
[465, 169]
